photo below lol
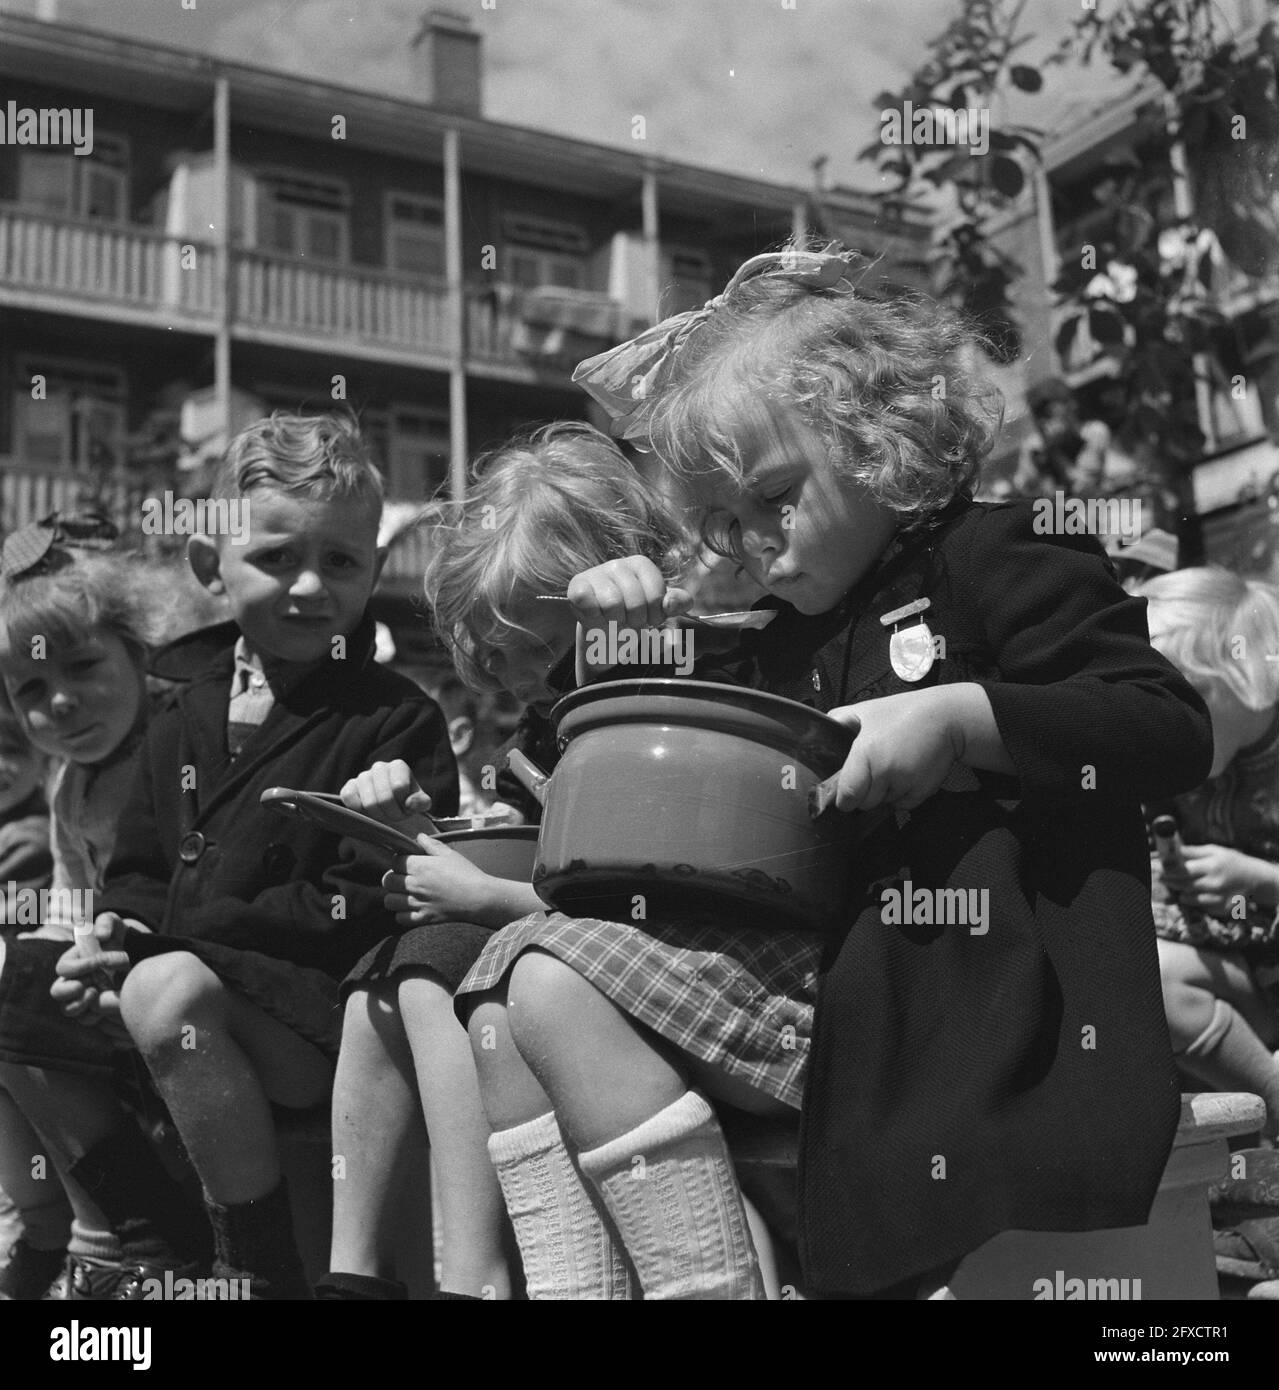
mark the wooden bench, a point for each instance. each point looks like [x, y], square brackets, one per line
[1172, 1254]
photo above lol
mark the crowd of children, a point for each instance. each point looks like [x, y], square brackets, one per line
[231, 963]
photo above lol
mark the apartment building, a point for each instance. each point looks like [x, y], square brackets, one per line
[239, 239]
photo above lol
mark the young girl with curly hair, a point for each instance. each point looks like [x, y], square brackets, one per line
[1215, 912]
[958, 1073]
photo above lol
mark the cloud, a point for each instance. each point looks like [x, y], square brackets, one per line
[742, 85]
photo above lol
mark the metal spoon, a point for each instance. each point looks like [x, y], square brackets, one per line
[753, 618]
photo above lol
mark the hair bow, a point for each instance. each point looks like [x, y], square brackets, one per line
[39, 546]
[625, 377]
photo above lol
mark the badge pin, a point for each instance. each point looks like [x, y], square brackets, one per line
[910, 651]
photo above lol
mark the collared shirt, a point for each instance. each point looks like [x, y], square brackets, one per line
[254, 691]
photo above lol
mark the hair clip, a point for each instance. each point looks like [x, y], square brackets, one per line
[37, 547]
[624, 377]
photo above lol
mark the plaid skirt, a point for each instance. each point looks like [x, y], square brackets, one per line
[738, 998]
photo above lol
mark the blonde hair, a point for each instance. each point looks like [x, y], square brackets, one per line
[1218, 628]
[313, 456]
[86, 592]
[892, 386]
[540, 510]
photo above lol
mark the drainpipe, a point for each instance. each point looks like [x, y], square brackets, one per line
[652, 241]
[457, 312]
[222, 250]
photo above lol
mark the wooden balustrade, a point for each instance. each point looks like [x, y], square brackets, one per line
[129, 266]
[367, 306]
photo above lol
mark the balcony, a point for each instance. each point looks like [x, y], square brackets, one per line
[126, 273]
[135, 275]
[27, 494]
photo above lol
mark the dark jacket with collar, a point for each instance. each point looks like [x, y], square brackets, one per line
[278, 907]
[965, 1083]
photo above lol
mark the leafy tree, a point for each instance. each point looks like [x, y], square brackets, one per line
[1143, 283]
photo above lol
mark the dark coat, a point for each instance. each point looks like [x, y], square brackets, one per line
[964, 1084]
[250, 891]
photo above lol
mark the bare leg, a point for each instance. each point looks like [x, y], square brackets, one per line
[469, 1196]
[30, 1181]
[1221, 1030]
[219, 1062]
[377, 1133]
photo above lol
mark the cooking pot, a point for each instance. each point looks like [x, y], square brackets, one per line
[505, 851]
[677, 796]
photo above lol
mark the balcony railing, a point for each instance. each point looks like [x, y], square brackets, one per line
[128, 267]
[27, 494]
[348, 303]
[133, 271]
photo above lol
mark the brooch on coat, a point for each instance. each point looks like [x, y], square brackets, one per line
[911, 649]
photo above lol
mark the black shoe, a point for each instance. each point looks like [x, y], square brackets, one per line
[30, 1273]
[141, 1281]
[86, 1280]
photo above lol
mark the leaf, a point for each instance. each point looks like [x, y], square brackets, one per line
[1106, 326]
[1007, 175]
[1024, 78]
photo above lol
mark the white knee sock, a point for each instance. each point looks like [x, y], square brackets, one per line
[565, 1243]
[1231, 1057]
[670, 1188]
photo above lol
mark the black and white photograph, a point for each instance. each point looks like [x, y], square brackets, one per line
[639, 660]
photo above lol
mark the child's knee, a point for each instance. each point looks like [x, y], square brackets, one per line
[163, 993]
[543, 994]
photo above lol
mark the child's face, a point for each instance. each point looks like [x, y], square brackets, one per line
[806, 534]
[20, 766]
[303, 576]
[78, 702]
[523, 666]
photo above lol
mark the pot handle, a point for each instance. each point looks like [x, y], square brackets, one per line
[529, 775]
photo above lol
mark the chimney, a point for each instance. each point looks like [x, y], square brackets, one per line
[451, 61]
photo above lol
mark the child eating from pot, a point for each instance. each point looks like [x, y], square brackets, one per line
[564, 500]
[953, 1084]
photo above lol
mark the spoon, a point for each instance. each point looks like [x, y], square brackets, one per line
[753, 618]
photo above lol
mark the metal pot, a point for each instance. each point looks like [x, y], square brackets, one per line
[677, 796]
[505, 851]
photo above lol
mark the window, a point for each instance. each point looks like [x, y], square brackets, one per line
[63, 184]
[540, 251]
[415, 234]
[686, 280]
[80, 422]
[415, 446]
[303, 217]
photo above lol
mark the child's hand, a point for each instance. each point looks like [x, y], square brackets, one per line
[87, 987]
[630, 592]
[438, 885]
[1215, 874]
[904, 747]
[387, 791]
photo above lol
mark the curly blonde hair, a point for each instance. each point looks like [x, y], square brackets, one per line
[541, 509]
[1218, 628]
[892, 385]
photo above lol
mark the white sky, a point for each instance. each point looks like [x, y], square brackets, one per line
[742, 85]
